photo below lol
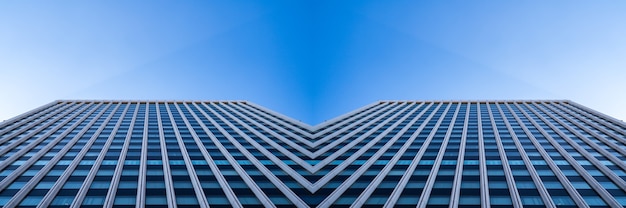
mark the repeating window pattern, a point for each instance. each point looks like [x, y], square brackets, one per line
[388, 154]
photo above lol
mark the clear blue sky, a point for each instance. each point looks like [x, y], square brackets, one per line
[312, 60]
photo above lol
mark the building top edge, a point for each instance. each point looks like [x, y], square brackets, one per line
[154, 101]
[379, 102]
[478, 101]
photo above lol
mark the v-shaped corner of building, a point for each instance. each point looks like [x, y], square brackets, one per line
[137, 153]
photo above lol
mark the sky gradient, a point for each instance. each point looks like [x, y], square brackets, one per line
[312, 60]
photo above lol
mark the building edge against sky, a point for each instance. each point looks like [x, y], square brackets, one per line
[500, 153]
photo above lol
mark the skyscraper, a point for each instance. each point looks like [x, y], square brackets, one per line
[76, 153]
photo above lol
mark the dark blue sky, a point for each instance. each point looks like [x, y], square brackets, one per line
[312, 60]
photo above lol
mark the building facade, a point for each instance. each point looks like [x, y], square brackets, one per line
[77, 153]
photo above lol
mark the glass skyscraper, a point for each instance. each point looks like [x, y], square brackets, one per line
[85, 153]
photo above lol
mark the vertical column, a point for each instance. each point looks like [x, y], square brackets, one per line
[165, 162]
[458, 173]
[143, 162]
